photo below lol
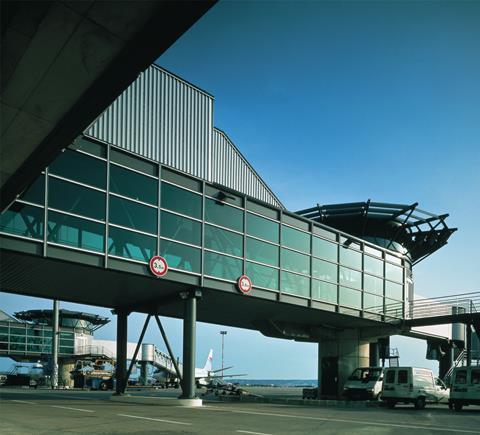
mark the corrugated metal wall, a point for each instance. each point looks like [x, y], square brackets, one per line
[231, 169]
[165, 119]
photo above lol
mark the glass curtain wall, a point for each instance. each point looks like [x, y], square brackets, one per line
[99, 199]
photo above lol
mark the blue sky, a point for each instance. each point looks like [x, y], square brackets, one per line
[338, 102]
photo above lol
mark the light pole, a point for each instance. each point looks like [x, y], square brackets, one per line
[223, 333]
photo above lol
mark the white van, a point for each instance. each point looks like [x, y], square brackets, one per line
[364, 383]
[412, 385]
[465, 387]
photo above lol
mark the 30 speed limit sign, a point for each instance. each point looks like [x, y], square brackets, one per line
[244, 284]
[158, 266]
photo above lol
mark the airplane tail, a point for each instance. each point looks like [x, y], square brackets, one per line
[208, 363]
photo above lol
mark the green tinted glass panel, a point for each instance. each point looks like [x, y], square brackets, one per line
[35, 192]
[350, 258]
[17, 331]
[262, 228]
[224, 215]
[295, 239]
[373, 251]
[133, 215]
[76, 232]
[372, 303]
[181, 200]
[324, 249]
[80, 167]
[133, 185]
[373, 265]
[262, 252]
[295, 261]
[324, 270]
[23, 220]
[393, 259]
[324, 291]
[180, 256]
[131, 245]
[350, 298]
[222, 266]
[350, 277]
[67, 335]
[393, 272]
[373, 284]
[180, 228]
[262, 276]
[223, 241]
[73, 198]
[393, 290]
[295, 284]
[89, 146]
[393, 308]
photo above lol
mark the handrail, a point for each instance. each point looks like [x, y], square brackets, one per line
[466, 303]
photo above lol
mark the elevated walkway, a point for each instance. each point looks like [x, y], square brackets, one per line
[461, 308]
[163, 362]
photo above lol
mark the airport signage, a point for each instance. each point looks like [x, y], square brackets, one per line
[244, 284]
[158, 266]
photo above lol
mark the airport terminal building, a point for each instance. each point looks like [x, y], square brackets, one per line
[153, 176]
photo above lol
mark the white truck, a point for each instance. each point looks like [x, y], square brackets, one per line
[364, 383]
[465, 387]
[412, 385]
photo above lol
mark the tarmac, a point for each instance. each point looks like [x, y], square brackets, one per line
[42, 411]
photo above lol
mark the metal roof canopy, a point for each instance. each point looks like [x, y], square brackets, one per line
[420, 232]
[75, 282]
[64, 62]
[76, 318]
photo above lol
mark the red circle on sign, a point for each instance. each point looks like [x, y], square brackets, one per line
[244, 284]
[158, 265]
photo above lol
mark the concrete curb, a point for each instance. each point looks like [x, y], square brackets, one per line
[299, 402]
[158, 401]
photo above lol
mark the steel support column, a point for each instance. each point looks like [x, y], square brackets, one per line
[55, 335]
[189, 344]
[121, 367]
[468, 344]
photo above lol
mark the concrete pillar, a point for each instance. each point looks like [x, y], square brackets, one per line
[121, 368]
[339, 358]
[374, 355]
[189, 343]
[64, 369]
[55, 334]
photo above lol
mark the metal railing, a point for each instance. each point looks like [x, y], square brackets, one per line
[90, 350]
[461, 361]
[465, 303]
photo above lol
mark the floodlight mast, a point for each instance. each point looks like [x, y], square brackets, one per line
[223, 333]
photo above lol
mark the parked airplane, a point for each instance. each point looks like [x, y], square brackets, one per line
[203, 376]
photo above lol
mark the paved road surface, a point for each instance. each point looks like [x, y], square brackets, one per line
[25, 411]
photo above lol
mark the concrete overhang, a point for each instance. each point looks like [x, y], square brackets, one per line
[64, 62]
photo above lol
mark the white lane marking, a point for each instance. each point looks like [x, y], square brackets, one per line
[24, 401]
[155, 419]
[72, 409]
[252, 433]
[339, 420]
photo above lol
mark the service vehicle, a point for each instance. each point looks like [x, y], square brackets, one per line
[465, 387]
[364, 383]
[412, 385]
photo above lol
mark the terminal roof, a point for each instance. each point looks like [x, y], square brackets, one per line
[417, 232]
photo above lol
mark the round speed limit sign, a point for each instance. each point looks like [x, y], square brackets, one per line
[244, 284]
[158, 266]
